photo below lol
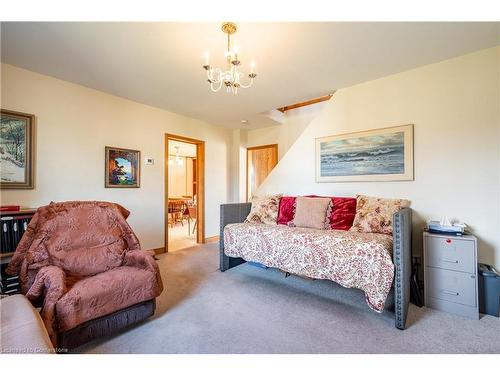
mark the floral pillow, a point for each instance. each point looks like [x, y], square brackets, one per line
[374, 215]
[264, 210]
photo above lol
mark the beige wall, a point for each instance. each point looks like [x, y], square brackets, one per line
[238, 165]
[295, 122]
[178, 177]
[454, 106]
[74, 125]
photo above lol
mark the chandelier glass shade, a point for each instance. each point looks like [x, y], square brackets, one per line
[230, 78]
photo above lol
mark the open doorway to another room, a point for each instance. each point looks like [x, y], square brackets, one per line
[184, 192]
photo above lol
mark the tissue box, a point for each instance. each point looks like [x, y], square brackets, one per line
[434, 226]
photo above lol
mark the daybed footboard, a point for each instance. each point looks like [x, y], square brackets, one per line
[402, 225]
[229, 214]
[402, 228]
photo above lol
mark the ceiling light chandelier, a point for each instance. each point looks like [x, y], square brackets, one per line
[177, 158]
[231, 77]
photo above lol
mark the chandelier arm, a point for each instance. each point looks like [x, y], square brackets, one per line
[212, 86]
[214, 75]
[210, 74]
[248, 85]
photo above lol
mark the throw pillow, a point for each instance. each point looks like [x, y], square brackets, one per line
[312, 212]
[286, 210]
[374, 215]
[343, 213]
[264, 210]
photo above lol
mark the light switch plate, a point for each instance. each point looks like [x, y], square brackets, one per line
[149, 161]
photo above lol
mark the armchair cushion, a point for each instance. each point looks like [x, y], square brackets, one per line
[104, 293]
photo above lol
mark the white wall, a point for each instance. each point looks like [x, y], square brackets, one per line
[74, 125]
[295, 122]
[454, 106]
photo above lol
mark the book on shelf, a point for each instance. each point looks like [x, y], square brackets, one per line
[6, 241]
[10, 208]
[11, 231]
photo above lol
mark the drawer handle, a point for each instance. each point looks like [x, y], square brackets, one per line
[451, 293]
[449, 260]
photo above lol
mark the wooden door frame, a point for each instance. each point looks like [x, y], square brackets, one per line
[200, 185]
[274, 146]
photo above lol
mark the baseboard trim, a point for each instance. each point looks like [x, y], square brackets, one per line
[212, 239]
[159, 250]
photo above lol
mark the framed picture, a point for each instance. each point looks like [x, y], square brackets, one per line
[17, 150]
[375, 155]
[123, 168]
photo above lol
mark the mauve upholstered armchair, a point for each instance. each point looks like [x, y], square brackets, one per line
[83, 264]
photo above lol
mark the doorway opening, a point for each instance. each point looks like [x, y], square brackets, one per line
[260, 162]
[184, 192]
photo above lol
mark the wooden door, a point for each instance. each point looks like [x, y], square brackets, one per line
[260, 162]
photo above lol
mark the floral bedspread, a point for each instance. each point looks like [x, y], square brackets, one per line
[353, 260]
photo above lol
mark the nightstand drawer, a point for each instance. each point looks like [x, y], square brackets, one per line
[452, 286]
[450, 253]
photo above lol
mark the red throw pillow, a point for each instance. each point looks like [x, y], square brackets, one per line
[286, 210]
[343, 213]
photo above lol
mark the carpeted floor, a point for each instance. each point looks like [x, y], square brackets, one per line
[181, 236]
[253, 310]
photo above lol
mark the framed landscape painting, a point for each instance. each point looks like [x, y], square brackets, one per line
[17, 154]
[123, 168]
[376, 155]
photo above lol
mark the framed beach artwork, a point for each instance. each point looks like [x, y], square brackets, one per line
[17, 150]
[375, 155]
[123, 168]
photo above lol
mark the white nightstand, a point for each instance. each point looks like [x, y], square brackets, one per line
[450, 274]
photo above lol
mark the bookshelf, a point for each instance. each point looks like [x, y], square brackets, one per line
[13, 224]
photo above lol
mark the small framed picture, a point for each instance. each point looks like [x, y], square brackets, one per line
[122, 168]
[17, 150]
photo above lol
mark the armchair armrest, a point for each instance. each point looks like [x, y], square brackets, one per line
[402, 251]
[229, 214]
[141, 259]
[50, 282]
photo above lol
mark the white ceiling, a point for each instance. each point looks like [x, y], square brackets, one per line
[160, 64]
[185, 149]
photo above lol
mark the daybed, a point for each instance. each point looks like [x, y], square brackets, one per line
[360, 260]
